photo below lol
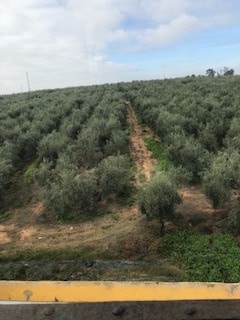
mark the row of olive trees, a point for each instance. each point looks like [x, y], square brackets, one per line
[78, 170]
[70, 193]
[194, 117]
[197, 120]
[29, 124]
[222, 181]
[78, 138]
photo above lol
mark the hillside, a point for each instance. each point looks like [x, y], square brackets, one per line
[73, 160]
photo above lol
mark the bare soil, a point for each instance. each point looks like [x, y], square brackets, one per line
[139, 152]
[122, 226]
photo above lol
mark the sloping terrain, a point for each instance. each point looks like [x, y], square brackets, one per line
[139, 152]
[30, 228]
[118, 236]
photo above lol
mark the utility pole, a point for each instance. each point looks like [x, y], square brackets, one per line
[28, 83]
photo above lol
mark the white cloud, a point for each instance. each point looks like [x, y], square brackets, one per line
[171, 32]
[53, 40]
[68, 42]
[164, 11]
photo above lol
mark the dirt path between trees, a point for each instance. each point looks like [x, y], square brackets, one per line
[139, 152]
[121, 225]
[23, 230]
[195, 208]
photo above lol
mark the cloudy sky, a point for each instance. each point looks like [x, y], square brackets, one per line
[64, 43]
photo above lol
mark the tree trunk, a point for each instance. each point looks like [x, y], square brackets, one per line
[162, 228]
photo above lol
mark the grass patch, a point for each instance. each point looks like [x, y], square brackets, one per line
[158, 152]
[4, 216]
[85, 253]
[86, 270]
[30, 173]
[139, 117]
[213, 258]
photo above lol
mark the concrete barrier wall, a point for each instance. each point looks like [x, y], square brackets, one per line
[106, 291]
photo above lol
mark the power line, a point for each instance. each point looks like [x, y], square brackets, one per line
[28, 83]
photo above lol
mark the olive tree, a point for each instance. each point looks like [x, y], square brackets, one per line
[158, 199]
[70, 195]
[222, 177]
[52, 145]
[113, 175]
[188, 153]
[5, 173]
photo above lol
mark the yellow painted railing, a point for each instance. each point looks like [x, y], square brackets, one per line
[84, 291]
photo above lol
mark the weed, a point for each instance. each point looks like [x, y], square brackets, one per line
[30, 173]
[213, 258]
[107, 226]
[115, 218]
[139, 117]
[158, 152]
[85, 253]
[4, 216]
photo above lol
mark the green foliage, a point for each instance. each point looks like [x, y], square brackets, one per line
[232, 139]
[117, 144]
[88, 150]
[76, 129]
[6, 169]
[205, 258]
[158, 198]
[3, 216]
[44, 174]
[139, 118]
[210, 72]
[216, 187]
[85, 159]
[71, 195]
[158, 152]
[228, 72]
[60, 254]
[233, 221]
[188, 153]
[223, 175]
[30, 172]
[51, 146]
[113, 175]
[180, 176]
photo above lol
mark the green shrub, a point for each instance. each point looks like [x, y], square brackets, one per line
[29, 174]
[5, 173]
[87, 149]
[188, 153]
[180, 176]
[114, 175]
[52, 145]
[205, 258]
[223, 175]
[158, 152]
[233, 221]
[4, 216]
[158, 199]
[216, 188]
[71, 196]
